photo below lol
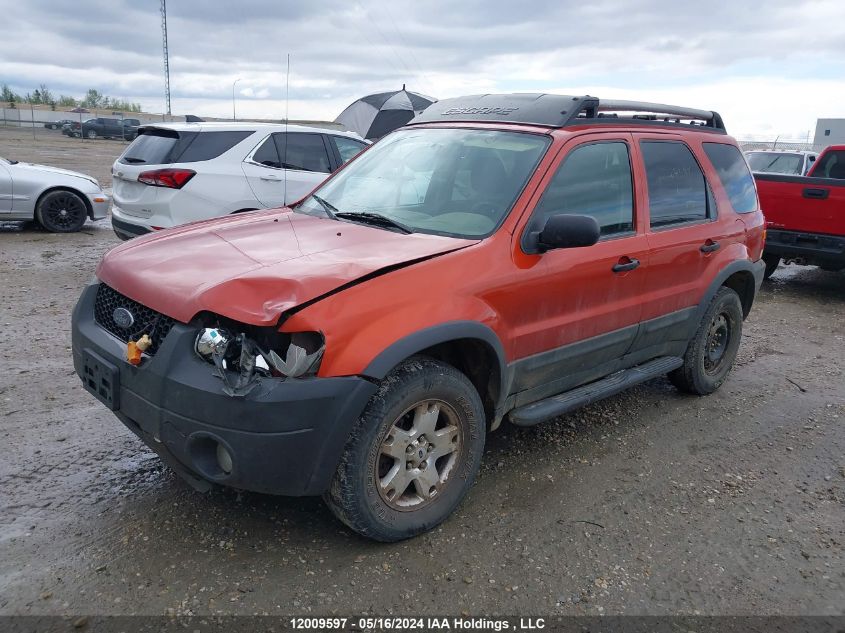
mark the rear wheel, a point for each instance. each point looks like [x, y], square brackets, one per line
[712, 351]
[61, 212]
[772, 262]
[412, 455]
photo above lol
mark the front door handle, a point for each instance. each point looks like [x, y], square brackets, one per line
[709, 246]
[272, 178]
[625, 264]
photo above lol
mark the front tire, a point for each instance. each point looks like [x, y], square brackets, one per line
[412, 455]
[61, 211]
[712, 351]
[91, 134]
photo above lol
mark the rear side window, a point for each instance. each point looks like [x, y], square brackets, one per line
[593, 180]
[677, 192]
[267, 154]
[347, 148]
[156, 146]
[734, 175]
[305, 152]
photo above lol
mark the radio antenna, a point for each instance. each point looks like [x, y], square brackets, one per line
[287, 116]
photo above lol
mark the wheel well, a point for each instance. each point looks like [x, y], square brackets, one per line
[478, 362]
[742, 282]
[89, 210]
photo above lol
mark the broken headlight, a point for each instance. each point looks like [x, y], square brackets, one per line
[243, 358]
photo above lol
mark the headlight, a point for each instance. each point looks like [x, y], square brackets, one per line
[260, 354]
[210, 341]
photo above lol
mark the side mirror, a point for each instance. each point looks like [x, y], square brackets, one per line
[567, 231]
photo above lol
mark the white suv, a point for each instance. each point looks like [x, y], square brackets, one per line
[175, 173]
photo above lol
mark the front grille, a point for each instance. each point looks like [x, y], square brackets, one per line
[147, 321]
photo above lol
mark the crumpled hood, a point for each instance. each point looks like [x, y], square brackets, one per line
[253, 267]
[54, 170]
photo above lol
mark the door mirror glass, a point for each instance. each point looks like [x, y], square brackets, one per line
[568, 231]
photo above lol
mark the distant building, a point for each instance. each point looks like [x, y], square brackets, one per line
[829, 132]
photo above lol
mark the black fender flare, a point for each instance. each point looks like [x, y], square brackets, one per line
[414, 343]
[756, 269]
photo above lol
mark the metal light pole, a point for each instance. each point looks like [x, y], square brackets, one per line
[233, 98]
[166, 54]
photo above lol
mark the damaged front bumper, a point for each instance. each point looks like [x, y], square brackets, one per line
[284, 437]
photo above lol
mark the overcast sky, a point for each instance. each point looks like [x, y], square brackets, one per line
[771, 68]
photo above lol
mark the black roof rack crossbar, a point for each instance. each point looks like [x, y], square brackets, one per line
[675, 113]
[559, 111]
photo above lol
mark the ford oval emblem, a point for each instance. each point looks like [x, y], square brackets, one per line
[123, 318]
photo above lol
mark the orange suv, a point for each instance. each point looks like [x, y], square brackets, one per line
[502, 257]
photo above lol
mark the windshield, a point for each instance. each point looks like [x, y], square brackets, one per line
[776, 162]
[453, 182]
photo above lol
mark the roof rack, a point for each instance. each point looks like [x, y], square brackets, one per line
[653, 111]
[562, 111]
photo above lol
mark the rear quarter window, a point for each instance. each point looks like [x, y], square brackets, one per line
[734, 175]
[208, 145]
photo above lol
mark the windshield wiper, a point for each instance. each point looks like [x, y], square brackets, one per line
[133, 160]
[328, 207]
[369, 217]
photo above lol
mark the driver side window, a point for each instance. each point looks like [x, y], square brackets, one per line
[593, 180]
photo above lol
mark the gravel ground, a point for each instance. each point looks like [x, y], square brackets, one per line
[651, 502]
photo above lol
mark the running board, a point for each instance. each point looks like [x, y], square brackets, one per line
[536, 412]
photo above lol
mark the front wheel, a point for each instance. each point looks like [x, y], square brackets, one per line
[91, 134]
[712, 351]
[413, 453]
[61, 212]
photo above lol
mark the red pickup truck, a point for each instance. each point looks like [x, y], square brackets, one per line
[805, 215]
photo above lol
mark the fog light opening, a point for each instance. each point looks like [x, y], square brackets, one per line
[210, 457]
[224, 459]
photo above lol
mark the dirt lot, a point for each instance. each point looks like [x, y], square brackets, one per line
[650, 502]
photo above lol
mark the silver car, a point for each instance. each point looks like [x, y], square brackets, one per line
[60, 200]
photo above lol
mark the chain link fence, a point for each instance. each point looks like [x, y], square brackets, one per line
[44, 122]
[798, 146]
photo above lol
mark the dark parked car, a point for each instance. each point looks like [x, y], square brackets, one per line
[72, 128]
[108, 128]
[57, 125]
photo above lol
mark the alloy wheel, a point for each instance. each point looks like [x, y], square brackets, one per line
[418, 455]
[63, 211]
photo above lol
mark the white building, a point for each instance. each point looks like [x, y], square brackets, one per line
[829, 132]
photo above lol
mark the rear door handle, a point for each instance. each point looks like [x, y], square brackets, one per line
[625, 264]
[818, 194]
[709, 246]
[272, 178]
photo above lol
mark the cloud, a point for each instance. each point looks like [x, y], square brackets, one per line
[755, 63]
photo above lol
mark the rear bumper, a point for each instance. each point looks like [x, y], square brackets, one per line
[125, 229]
[813, 248]
[285, 437]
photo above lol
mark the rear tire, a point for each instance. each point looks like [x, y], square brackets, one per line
[712, 351]
[412, 455]
[61, 211]
[772, 263]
